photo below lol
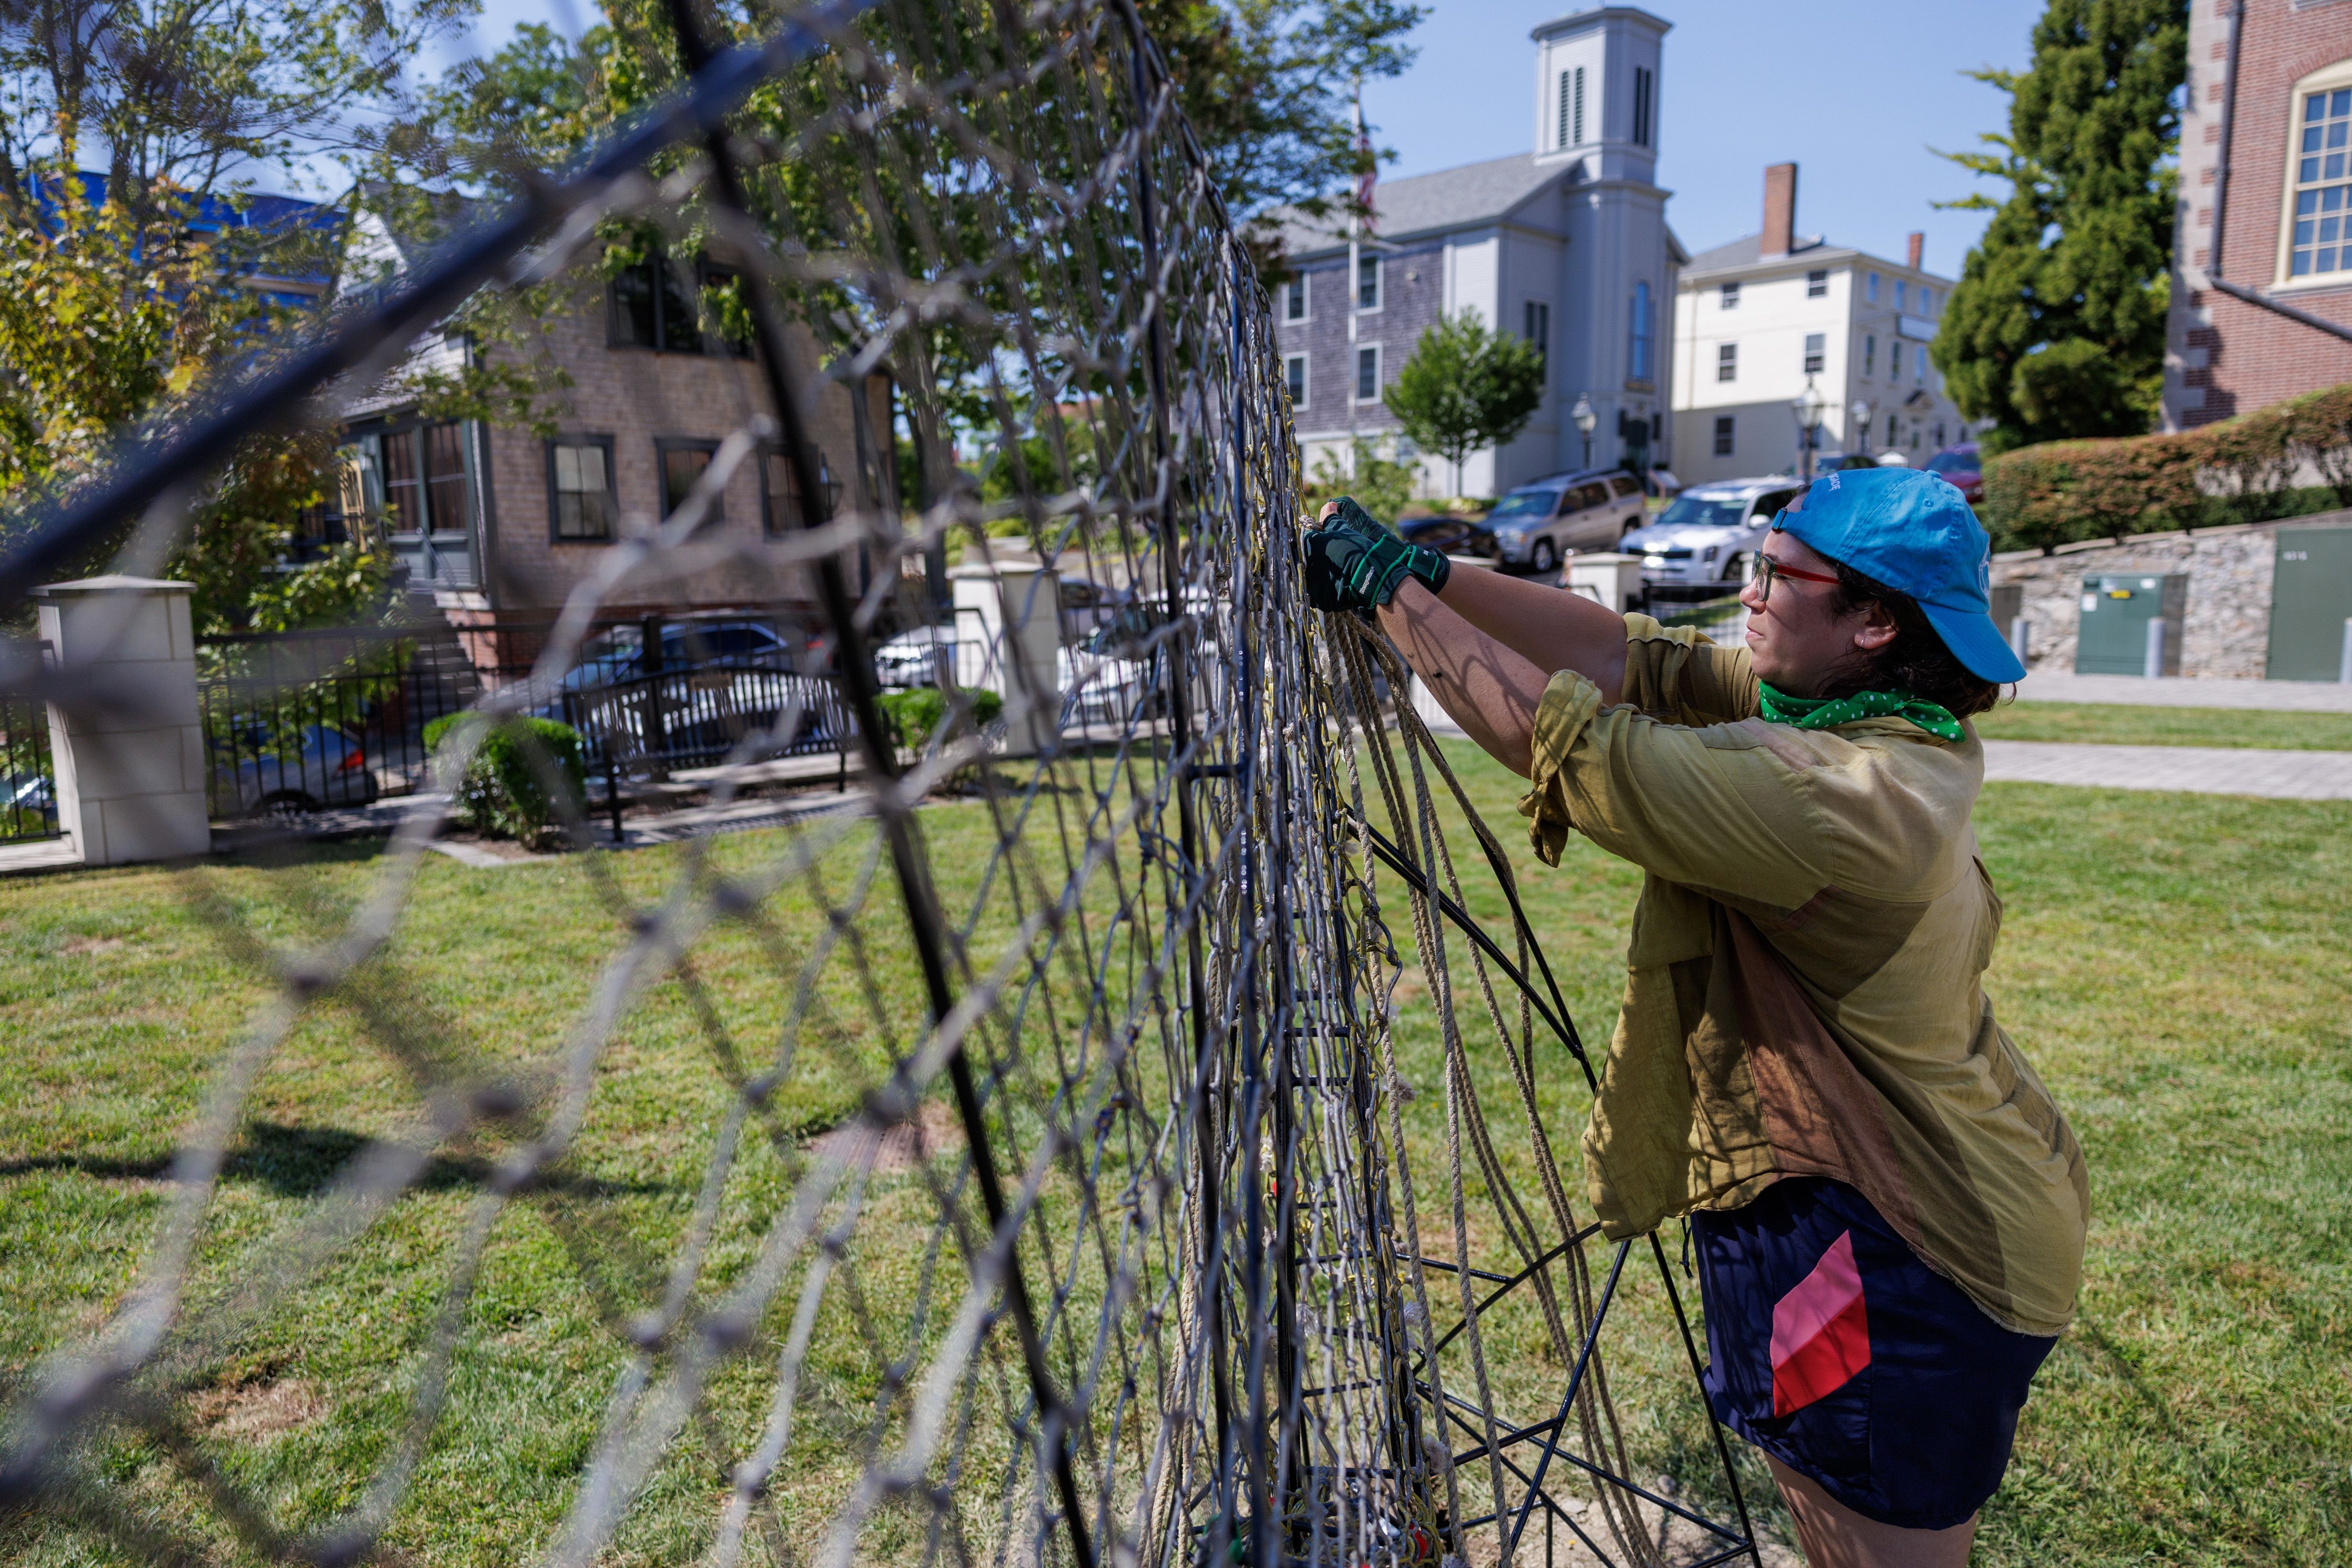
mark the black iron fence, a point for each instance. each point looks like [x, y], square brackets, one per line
[305, 720]
[28, 780]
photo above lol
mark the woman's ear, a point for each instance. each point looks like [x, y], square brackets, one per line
[1877, 629]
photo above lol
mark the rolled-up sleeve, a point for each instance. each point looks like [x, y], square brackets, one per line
[1724, 808]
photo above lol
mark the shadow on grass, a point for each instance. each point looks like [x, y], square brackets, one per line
[297, 1161]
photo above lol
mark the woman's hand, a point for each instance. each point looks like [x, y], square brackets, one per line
[1354, 564]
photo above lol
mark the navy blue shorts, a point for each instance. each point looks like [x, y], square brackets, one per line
[1834, 1350]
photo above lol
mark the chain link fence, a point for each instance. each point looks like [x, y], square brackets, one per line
[1198, 1198]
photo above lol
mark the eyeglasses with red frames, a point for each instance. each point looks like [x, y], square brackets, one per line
[1766, 569]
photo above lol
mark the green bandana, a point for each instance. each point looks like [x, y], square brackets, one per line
[1823, 712]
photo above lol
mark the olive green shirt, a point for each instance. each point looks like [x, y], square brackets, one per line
[1804, 991]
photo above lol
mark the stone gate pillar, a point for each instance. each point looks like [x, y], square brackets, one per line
[129, 761]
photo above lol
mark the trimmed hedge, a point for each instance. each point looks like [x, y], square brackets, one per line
[502, 794]
[2240, 470]
[917, 714]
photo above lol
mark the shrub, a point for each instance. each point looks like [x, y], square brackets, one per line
[916, 715]
[1382, 486]
[503, 793]
[2240, 470]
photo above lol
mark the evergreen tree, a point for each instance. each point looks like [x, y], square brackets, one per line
[1465, 388]
[2056, 329]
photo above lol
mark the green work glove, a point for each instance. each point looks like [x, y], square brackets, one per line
[1354, 564]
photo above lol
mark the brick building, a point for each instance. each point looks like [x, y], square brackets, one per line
[498, 522]
[2262, 286]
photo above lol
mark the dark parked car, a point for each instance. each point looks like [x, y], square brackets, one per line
[1449, 535]
[1961, 465]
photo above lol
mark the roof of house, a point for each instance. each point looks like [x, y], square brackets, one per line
[1450, 198]
[1748, 251]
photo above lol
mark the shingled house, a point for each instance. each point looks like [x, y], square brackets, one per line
[1567, 246]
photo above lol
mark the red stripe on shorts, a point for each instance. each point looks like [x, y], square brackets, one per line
[1820, 1336]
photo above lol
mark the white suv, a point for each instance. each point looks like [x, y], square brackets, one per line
[1705, 543]
[1536, 524]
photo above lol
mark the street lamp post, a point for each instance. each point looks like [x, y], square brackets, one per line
[1808, 408]
[1584, 419]
[1857, 424]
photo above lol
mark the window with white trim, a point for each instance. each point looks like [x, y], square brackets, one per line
[1728, 297]
[1873, 289]
[1870, 353]
[1726, 362]
[1368, 283]
[1645, 92]
[1367, 373]
[1817, 347]
[2321, 240]
[1294, 375]
[1293, 298]
[580, 488]
[1817, 284]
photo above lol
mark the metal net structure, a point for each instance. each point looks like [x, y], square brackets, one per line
[1195, 1188]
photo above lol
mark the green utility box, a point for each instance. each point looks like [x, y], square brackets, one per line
[2311, 598]
[2113, 635]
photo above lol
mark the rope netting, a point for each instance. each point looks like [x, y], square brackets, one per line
[1196, 1189]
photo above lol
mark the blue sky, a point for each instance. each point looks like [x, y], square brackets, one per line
[1857, 93]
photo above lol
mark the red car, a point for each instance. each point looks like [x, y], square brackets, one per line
[1958, 464]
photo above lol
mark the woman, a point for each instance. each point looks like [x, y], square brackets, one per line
[1887, 1206]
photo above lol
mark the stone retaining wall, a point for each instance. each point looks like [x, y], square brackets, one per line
[2227, 626]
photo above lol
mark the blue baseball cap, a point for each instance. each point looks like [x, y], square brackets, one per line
[1911, 531]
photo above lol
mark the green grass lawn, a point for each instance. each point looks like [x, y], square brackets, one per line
[2174, 964]
[2119, 724]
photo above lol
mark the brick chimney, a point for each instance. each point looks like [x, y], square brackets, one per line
[1779, 208]
[1918, 247]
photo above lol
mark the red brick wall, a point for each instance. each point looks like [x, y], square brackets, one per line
[2223, 355]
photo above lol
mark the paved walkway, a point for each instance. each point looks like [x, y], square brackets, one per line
[2177, 691]
[2200, 770]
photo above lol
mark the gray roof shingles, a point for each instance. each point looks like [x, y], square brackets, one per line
[1450, 198]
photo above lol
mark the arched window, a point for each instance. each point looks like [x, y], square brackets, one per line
[2316, 231]
[1637, 357]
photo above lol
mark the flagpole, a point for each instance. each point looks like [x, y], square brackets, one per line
[1354, 226]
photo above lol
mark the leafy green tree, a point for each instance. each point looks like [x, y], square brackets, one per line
[1466, 388]
[190, 98]
[1268, 86]
[2056, 328]
[118, 313]
[96, 336]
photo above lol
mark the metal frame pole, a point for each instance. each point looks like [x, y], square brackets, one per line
[925, 922]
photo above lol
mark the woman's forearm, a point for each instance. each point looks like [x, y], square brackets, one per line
[1491, 689]
[1550, 629]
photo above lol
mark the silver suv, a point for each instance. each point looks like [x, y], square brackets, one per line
[1706, 541]
[1536, 524]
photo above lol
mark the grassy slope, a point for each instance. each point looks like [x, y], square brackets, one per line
[2173, 964]
[2116, 725]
